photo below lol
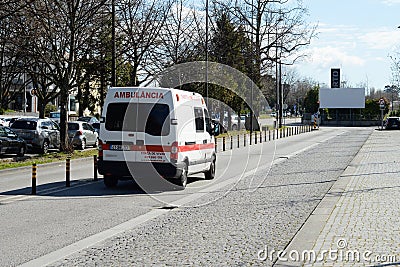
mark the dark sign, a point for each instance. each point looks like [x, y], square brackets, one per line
[335, 78]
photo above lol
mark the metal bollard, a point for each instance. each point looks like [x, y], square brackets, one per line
[33, 178]
[255, 138]
[260, 137]
[251, 138]
[216, 142]
[244, 139]
[67, 172]
[238, 141]
[265, 136]
[223, 144]
[269, 135]
[231, 142]
[95, 168]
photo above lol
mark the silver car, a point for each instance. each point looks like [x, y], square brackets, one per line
[38, 133]
[82, 134]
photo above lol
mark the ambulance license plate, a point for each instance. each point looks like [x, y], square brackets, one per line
[120, 147]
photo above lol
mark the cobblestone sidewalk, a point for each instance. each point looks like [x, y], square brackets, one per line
[357, 223]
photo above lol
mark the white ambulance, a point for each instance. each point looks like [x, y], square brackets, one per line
[147, 132]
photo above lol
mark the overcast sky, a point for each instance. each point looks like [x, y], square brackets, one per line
[357, 36]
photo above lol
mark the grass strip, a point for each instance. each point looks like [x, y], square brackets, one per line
[46, 158]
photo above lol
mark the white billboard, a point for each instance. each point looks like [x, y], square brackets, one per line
[342, 97]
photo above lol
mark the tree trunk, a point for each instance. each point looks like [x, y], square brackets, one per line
[239, 121]
[229, 119]
[63, 120]
[41, 108]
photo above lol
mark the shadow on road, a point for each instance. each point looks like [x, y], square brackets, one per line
[89, 187]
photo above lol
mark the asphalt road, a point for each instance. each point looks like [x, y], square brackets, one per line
[268, 189]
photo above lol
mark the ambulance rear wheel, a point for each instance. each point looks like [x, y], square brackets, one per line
[110, 181]
[210, 174]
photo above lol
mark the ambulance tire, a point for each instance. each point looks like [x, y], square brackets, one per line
[182, 180]
[110, 181]
[210, 174]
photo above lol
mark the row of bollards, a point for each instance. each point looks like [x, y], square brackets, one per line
[258, 136]
[67, 173]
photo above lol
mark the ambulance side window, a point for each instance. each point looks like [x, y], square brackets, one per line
[199, 119]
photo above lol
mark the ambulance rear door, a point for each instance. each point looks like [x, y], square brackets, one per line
[120, 125]
[154, 135]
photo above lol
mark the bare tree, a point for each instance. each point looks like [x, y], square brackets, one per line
[9, 8]
[278, 30]
[139, 26]
[13, 79]
[178, 36]
[396, 69]
[44, 88]
[59, 35]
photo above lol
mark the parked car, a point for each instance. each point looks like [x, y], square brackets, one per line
[82, 134]
[88, 119]
[287, 114]
[392, 123]
[235, 122]
[10, 121]
[96, 126]
[55, 116]
[41, 134]
[11, 143]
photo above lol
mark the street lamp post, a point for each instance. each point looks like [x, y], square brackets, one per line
[113, 53]
[279, 96]
[207, 102]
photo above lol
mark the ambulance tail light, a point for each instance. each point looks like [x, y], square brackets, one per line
[101, 147]
[174, 151]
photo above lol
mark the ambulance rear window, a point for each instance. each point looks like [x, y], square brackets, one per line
[150, 118]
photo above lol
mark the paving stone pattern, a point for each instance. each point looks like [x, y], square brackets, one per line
[365, 220]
